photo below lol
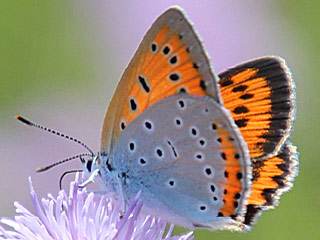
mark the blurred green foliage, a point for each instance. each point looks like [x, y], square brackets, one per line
[41, 48]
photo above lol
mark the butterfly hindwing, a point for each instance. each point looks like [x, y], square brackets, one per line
[260, 95]
[270, 179]
[189, 160]
[170, 59]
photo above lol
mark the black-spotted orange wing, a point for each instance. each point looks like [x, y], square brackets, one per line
[270, 179]
[260, 95]
[169, 59]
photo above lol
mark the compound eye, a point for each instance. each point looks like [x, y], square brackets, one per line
[89, 165]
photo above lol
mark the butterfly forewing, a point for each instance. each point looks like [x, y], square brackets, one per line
[170, 59]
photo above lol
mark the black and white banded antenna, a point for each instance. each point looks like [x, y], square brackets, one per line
[80, 156]
[31, 124]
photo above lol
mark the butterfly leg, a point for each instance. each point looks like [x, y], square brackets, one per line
[120, 183]
[91, 178]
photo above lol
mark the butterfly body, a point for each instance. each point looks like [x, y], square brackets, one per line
[202, 153]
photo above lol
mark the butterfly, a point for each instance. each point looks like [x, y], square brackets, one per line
[204, 150]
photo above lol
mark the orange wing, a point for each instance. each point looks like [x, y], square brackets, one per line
[260, 95]
[169, 59]
[271, 178]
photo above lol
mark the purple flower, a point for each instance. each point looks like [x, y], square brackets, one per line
[80, 215]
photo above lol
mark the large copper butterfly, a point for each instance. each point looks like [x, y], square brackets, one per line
[205, 150]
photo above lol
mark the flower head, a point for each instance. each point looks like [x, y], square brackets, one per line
[79, 215]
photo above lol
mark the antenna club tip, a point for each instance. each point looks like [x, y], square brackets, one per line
[25, 121]
[38, 170]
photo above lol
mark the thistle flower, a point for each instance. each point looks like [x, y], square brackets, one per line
[79, 215]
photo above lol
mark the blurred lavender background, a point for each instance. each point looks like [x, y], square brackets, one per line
[60, 62]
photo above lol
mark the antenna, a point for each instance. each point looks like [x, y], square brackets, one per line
[43, 169]
[31, 124]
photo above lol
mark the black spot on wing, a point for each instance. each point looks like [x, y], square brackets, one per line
[240, 88]
[241, 122]
[143, 83]
[240, 110]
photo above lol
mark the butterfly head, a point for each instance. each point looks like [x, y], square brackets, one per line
[91, 164]
[99, 170]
